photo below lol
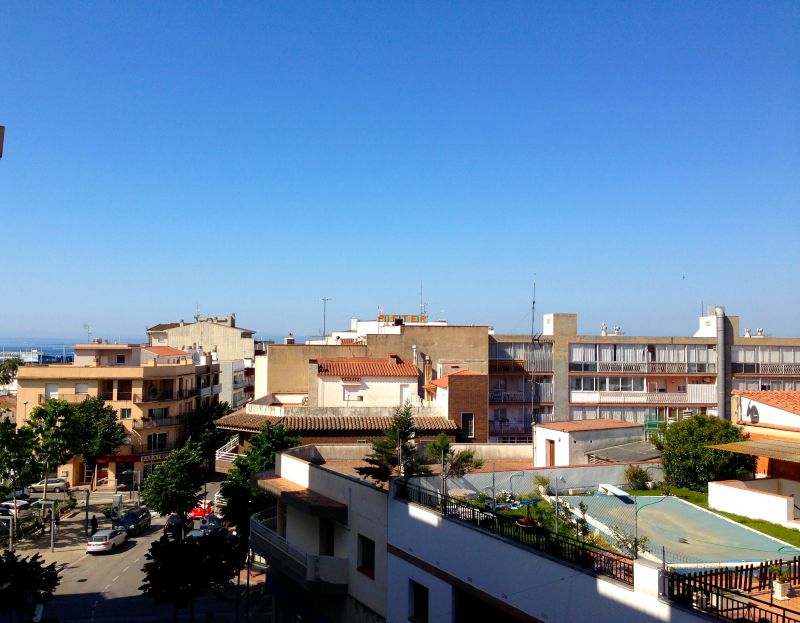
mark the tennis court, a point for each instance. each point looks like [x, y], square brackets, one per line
[683, 532]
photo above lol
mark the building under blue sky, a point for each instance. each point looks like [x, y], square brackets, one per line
[641, 160]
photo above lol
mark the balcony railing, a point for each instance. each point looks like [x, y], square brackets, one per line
[165, 395]
[70, 398]
[696, 394]
[593, 559]
[543, 392]
[153, 422]
[237, 383]
[766, 368]
[643, 367]
[327, 574]
[498, 427]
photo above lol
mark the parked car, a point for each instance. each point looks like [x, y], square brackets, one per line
[106, 541]
[21, 511]
[22, 494]
[195, 534]
[211, 524]
[173, 524]
[201, 510]
[56, 485]
[134, 522]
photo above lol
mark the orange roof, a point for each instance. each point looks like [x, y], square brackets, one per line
[165, 351]
[445, 380]
[786, 400]
[242, 421]
[580, 425]
[362, 366]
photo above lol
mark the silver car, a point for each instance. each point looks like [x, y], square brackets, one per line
[56, 485]
[106, 541]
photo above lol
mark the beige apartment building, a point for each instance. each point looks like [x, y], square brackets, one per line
[152, 388]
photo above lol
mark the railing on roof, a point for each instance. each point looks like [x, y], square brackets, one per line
[225, 453]
[593, 559]
[698, 594]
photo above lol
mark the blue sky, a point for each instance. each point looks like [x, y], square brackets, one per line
[640, 159]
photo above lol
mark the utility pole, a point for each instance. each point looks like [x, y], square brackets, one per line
[324, 300]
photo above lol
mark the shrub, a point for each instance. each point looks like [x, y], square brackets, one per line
[636, 476]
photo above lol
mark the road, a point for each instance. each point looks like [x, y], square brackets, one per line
[105, 588]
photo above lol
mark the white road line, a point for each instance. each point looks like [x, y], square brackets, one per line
[107, 587]
[125, 569]
[114, 581]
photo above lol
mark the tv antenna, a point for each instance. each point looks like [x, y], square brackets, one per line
[534, 336]
[324, 300]
[88, 329]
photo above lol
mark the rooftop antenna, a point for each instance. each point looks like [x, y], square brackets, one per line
[324, 300]
[88, 332]
[534, 336]
[197, 311]
[423, 306]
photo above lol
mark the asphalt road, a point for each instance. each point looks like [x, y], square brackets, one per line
[104, 588]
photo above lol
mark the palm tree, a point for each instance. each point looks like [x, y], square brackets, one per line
[453, 464]
[8, 370]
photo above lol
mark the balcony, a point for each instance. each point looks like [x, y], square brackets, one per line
[238, 383]
[695, 394]
[766, 368]
[501, 427]
[155, 422]
[642, 367]
[322, 574]
[70, 398]
[543, 392]
[166, 395]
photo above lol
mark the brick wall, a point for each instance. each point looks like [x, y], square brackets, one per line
[470, 394]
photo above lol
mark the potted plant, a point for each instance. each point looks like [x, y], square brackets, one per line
[527, 523]
[781, 587]
[542, 484]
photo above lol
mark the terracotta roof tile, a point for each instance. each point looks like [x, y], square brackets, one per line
[362, 366]
[580, 425]
[164, 326]
[786, 400]
[166, 351]
[330, 423]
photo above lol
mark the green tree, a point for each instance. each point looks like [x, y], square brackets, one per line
[101, 434]
[8, 369]
[395, 452]
[242, 497]
[201, 428]
[174, 486]
[689, 462]
[53, 428]
[17, 468]
[178, 572]
[24, 583]
[453, 464]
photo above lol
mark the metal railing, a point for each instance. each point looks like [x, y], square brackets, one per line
[152, 422]
[593, 559]
[766, 368]
[225, 452]
[165, 395]
[499, 427]
[643, 367]
[542, 392]
[723, 604]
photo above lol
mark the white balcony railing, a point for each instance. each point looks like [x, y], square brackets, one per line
[695, 394]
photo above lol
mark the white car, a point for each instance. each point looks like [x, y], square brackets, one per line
[22, 510]
[56, 485]
[106, 541]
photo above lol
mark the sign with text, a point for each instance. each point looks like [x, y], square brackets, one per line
[155, 457]
[403, 317]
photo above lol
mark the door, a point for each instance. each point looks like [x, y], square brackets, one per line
[404, 394]
[551, 453]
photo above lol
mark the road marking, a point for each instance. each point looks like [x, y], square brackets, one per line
[125, 569]
[114, 581]
[107, 587]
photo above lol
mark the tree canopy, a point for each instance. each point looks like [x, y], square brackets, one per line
[178, 572]
[55, 433]
[174, 486]
[8, 370]
[98, 433]
[25, 582]
[453, 464]
[689, 462]
[395, 452]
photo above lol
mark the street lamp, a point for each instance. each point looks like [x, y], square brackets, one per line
[511, 480]
[636, 509]
[25, 412]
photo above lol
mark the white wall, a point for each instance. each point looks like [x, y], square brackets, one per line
[757, 499]
[767, 414]
[531, 583]
[374, 391]
[262, 367]
[562, 450]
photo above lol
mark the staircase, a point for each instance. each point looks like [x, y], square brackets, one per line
[224, 457]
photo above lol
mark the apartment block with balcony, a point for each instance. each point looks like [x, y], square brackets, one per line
[152, 389]
[520, 386]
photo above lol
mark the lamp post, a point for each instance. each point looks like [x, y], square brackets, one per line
[511, 480]
[636, 509]
[25, 411]
[561, 478]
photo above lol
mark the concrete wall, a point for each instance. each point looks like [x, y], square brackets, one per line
[753, 411]
[562, 450]
[433, 551]
[228, 342]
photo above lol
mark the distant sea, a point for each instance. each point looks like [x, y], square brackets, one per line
[49, 345]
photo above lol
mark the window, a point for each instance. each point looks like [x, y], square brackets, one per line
[82, 388]
[586, 384]
[366, 556]
[120, 359]
[125, 414]
[468, 424]
[156, 441]
[159, 412]
[350, 394]
[417, 602]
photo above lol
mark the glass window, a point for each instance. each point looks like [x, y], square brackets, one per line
[614, 384]
[468, 424]
[626, 384]
[82, 388]
[156, 441]
[638, 384]
[417, 602]
[366, 556]
[125, 414]
[120, 359]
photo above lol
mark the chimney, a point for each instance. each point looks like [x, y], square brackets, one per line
[395, 357]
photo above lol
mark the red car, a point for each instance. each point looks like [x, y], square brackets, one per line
[201, 510]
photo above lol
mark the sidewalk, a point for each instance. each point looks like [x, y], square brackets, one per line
[70, 541]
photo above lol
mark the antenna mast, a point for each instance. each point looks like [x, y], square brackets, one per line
[88, 332]
[324, 300]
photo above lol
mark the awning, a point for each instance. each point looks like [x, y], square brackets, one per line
[771, 448]
[305, 499]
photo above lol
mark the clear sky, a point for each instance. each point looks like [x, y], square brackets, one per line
[640, 159]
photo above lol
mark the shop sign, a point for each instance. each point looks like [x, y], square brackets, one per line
[403, 317]
[153, 458]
